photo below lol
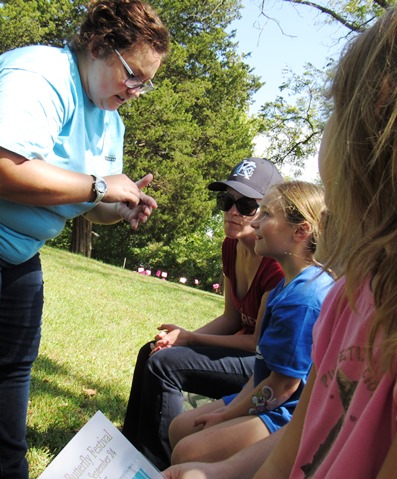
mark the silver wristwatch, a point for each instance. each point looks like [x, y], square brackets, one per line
[100, 188]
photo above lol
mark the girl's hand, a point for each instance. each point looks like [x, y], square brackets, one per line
[210, 419]
[191, 470]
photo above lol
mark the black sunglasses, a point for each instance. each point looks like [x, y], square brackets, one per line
[245, 206]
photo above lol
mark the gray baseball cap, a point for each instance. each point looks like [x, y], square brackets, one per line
[252, 177]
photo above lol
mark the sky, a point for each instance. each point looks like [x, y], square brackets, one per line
[300, 36]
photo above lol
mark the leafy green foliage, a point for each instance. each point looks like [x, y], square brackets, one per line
[29, 22]
[294, 122]
[196, 254]
[191, 130]
[355, 15]
[195, 125]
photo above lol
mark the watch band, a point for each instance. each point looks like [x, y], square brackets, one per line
[99, 188]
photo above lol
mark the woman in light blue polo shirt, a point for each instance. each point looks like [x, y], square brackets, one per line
[61, 145]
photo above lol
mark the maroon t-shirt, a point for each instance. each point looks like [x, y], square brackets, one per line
[269, 274]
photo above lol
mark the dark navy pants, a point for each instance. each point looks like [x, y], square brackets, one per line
[21, 305]
[156, 393]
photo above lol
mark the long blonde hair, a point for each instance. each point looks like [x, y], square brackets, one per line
[360, 167]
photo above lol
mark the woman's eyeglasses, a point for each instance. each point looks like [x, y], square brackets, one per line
[133, 81]
[245, 206]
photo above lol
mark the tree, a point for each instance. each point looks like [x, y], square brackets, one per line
[293, 124]
[82, 230]
[355, 15]
[194, 255]
[193, 128]
[29, 22]
[294, 121]
[195, 125]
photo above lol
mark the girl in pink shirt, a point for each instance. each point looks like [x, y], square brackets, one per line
[345, 423]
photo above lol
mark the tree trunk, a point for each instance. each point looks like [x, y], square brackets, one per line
[82, 236]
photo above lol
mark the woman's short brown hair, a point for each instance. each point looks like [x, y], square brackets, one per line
[110, 24]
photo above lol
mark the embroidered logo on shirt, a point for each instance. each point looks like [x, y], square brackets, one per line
[112, 158]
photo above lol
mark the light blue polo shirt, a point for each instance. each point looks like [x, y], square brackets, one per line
[46, 115]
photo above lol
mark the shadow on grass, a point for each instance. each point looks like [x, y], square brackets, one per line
[61, 403]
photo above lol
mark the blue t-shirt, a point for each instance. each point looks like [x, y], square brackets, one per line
[286, 336]
[46, 115]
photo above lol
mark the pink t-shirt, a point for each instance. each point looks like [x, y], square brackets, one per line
[352, 415]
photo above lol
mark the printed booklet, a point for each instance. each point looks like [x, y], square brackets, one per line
[100, 451]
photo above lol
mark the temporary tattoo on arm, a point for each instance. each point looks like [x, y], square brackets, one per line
[263, 400]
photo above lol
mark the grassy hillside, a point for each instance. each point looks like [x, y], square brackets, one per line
[96, 317]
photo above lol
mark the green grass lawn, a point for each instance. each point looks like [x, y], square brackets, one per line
[96, 317]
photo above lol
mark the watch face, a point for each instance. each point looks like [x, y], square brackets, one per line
[101, 186]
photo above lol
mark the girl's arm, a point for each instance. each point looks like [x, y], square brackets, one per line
[222, 414]
[266, 396]
[281, 460]
[220, 332]
[246, 391]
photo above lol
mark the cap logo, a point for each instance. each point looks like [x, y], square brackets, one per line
[245, 169]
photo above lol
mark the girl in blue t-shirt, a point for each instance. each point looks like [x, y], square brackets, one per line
[287, 229]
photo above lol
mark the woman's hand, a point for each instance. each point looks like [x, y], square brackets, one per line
[170, 335]
[122, 189]
[135, 215]
[138, 210]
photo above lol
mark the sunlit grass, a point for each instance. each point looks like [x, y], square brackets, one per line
[96, 317]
